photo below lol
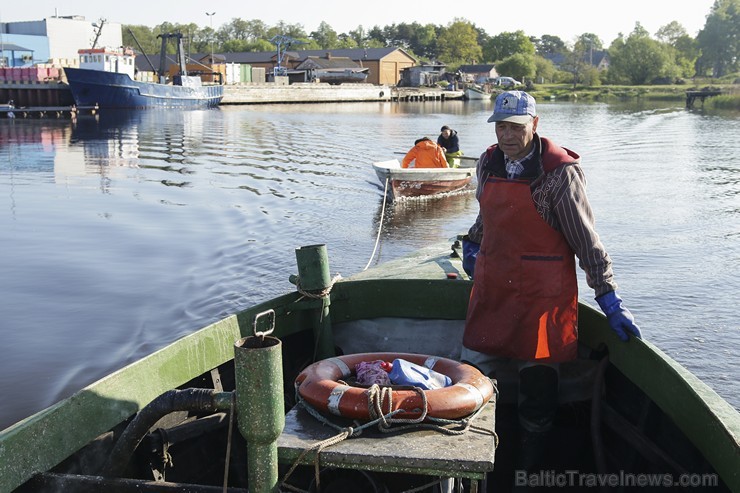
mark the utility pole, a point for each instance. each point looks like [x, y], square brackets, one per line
[210, 15]
[591, 57]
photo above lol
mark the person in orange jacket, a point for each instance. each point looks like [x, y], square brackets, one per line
[425, 154]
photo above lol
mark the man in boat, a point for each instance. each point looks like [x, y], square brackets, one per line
[534, 219]
[450, 144]
[425, 154]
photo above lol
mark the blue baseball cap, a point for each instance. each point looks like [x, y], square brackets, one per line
[514, 106]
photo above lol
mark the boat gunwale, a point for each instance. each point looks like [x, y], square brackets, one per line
[423, 174]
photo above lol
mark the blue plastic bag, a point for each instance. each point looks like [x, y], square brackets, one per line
[407, 373]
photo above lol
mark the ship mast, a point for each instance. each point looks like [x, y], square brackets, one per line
[98, 29]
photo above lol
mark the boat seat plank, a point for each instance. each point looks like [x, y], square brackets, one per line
[422, 451]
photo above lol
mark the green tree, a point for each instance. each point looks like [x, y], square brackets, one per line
[140, 38]
[681, 46]
[719, 40]
[359, 35]
[544, 69]
[238, 46]
[415, 38]
[256, 29]
[325, 37]
[670, 32]
[424, 40]
[295, 31]
[641, 59]
[686, 55]
[519, 65]
[615, 76]
[240, 29]
[507, 44]
[376, 34]
[549, 45]
[457, 43]
[189, 31]
[345, 41]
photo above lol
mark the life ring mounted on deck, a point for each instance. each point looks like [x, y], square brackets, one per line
[319, 386]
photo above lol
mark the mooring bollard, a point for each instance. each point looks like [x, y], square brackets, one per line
[260, 406]
[315, 280]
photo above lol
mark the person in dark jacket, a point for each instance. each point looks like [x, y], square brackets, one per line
[450, 143]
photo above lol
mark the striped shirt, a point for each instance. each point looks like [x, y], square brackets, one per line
[560, 198]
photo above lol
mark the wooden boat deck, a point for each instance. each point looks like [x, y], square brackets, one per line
[419, 451]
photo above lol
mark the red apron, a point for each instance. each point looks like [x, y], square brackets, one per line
[524, 303]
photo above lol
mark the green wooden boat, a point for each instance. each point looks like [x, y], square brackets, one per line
[216, 410]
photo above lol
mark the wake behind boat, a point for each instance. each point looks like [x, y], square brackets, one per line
[106, 78]
[418, 182]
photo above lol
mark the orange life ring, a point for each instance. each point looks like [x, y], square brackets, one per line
[318, 385]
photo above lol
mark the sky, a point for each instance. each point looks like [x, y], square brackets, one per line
[566, 19]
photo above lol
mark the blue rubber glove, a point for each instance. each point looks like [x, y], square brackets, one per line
[470, 253]
[620, 319]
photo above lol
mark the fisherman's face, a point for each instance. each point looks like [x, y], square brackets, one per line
[446, 133]
[514, 139]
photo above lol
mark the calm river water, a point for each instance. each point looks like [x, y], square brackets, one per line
[124, 233]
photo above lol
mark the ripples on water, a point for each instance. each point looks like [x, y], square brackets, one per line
[123, 233]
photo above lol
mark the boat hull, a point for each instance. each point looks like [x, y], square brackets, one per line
[410, 182]
[472, 93]
[114, 90]
[341, 77]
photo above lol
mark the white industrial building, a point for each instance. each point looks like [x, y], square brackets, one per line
[53, 40]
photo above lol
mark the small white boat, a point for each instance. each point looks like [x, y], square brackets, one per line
[476, 93]
[416, 182]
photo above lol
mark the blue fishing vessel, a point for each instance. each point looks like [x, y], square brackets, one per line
[106, 78]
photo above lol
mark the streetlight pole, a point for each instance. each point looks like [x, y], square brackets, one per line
[210, 15]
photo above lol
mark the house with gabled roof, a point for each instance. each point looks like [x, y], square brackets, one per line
[327, 62]
[597, 58]
[384, 64]
[480, 73]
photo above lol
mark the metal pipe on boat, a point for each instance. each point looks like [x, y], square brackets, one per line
[314, 280]
[260, 407]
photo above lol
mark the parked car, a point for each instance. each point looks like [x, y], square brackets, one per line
[507, 82]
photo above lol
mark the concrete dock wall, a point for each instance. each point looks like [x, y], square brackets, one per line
[303, 93]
